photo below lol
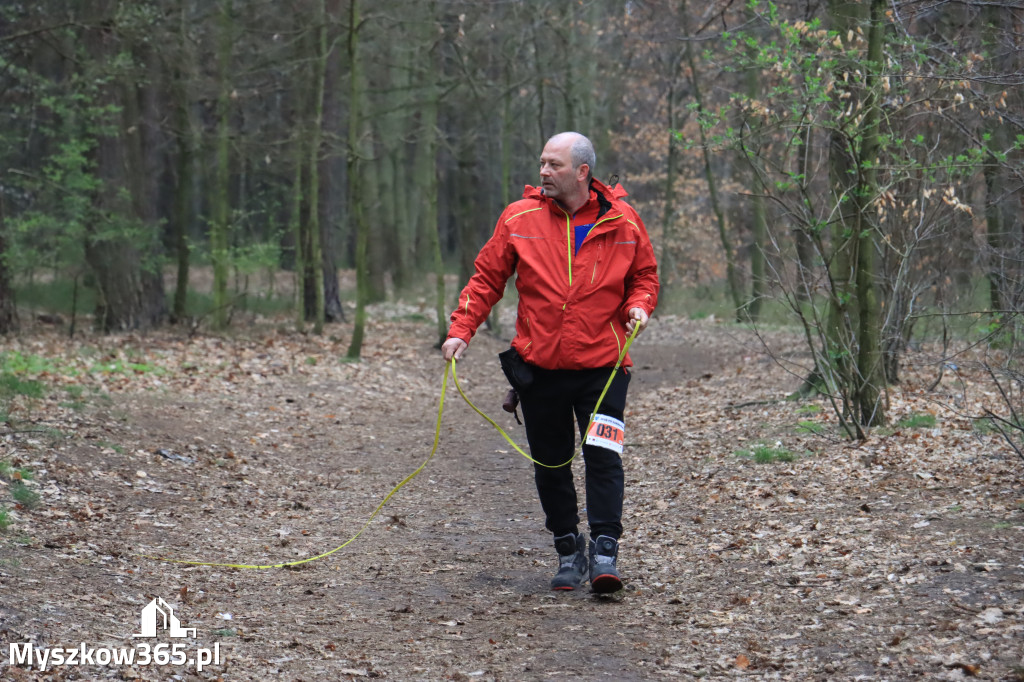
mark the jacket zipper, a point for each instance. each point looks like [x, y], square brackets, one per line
[568, 241]
[568, 246]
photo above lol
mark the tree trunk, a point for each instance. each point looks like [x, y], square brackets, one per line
[838, 363]
[221, 201]
[803, 241]
[130, 292]
[758, 257]
[995, 234]
[541, 74]
[8, 309]
[362, 228]
[465, 194]
[425, 170]
[331, 175]
[732, 277]
[297, 229]
[505, 154]
[580, 74]
[371, 201]
[666, 262]
[758, 217]
[854, 322]
[1001, 251]
[183, 198]
[313, 229]
[870, 394]
[393, 167]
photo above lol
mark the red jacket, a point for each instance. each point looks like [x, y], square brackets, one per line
[572, 308]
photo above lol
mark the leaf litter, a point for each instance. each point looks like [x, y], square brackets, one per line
[894, 558]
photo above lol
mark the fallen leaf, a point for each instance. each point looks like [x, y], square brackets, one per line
[991, 615]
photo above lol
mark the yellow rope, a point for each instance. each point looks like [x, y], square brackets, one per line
[450, 366]
[286, 564]
[600, 399]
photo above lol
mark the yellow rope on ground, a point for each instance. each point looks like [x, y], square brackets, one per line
[449, 367]
[401, 484]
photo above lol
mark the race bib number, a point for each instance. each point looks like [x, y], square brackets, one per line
[607, 432]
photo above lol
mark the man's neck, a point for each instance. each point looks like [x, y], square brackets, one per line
[578, 202]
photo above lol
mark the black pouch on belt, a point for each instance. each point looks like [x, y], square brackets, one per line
[518, 372]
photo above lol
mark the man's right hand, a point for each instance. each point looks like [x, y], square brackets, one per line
[452, 349]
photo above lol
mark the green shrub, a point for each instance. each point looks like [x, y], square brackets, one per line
[55, 296]
[24, 495]
[766, 454]
[13, 473]
[917, 421]
[813, 428]
[12, 385]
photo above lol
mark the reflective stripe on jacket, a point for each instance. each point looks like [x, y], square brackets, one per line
[572, 308]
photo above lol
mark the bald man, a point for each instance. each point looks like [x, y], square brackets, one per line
[587, 277]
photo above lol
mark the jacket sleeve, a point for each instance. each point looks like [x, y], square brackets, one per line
[642, 277]
[493, 266]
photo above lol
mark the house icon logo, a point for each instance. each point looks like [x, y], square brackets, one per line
[158, 614]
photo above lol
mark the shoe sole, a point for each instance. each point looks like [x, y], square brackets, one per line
[605, 584]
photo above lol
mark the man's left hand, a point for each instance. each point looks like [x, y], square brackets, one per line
[637, 316]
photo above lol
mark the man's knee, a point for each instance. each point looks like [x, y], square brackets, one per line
[599, 459]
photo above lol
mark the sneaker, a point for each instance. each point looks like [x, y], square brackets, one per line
[604, 576]
[572, 562]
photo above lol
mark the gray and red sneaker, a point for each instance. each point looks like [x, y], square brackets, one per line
[604, 576]
[572, 562]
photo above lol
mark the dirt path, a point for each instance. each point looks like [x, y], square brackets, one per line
[870, 562]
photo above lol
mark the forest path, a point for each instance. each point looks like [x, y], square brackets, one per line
[268, 450]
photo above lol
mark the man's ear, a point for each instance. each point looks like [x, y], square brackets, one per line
[583, 171]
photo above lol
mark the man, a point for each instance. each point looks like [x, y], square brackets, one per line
[586, 277]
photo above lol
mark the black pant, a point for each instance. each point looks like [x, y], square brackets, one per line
[549, 407]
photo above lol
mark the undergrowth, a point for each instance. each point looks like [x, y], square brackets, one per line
[767, 454]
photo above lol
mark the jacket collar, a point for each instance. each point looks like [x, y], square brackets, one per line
[599, 192]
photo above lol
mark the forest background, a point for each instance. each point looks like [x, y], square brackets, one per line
[850, 167]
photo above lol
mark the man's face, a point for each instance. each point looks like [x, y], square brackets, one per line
[557, 176]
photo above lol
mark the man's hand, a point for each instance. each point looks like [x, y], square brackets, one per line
[453, 349]
[637, 316]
